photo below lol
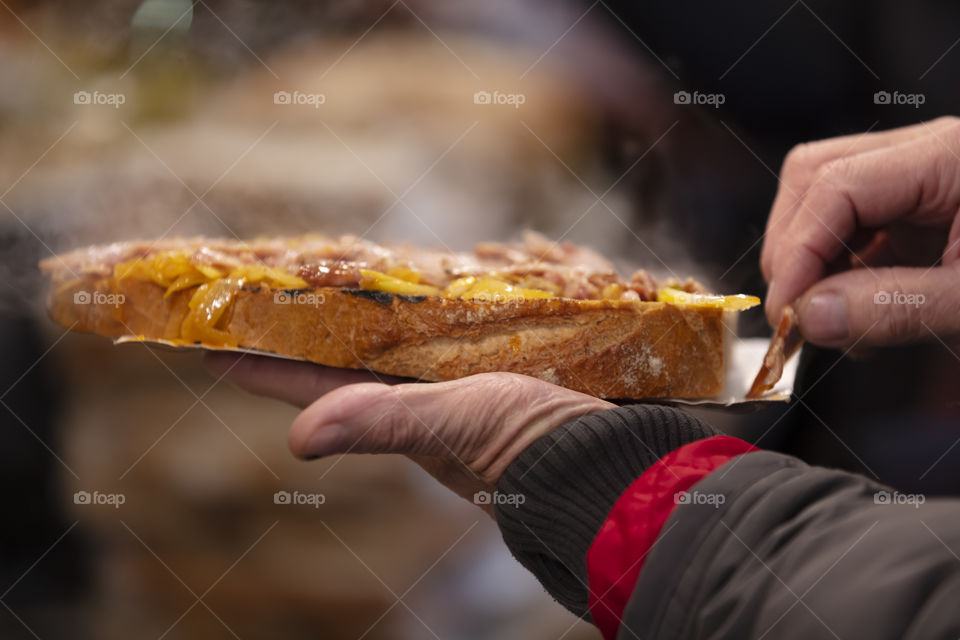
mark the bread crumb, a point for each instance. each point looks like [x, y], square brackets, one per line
[655, 365]
[549, 375]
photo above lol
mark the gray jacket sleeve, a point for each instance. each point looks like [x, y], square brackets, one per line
[801, 552]
[791, 551]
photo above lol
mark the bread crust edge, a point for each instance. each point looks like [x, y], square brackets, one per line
[605, 348]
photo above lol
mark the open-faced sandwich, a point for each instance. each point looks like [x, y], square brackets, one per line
[554, 311]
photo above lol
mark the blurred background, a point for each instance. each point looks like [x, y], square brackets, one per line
[652, 132]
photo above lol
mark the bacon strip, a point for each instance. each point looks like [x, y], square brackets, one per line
[330, 274]
[785, 342]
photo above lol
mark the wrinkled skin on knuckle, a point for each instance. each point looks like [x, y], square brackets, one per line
[827, 184]
[496, 400]
[392, 425]
[502, 394]
[831, 185]
[463, 419]
[897, 323]
[519, 388]
[940, 192]
[836, 172]
[522, 397]
[357, 397]
[511, 403]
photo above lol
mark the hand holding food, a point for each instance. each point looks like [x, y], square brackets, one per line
[463, 432]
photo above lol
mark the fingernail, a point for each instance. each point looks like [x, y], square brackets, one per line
[824, 319]
[324, 442]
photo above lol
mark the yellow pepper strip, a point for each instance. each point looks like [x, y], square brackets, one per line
[255, 273]
[403, 273]
[174, 271]
[376, 281]
[207, 306]
[491, 290]
[185, 281]
[737, 302]
[459, 287]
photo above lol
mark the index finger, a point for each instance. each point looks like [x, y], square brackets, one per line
[916, 180]
[799, 173]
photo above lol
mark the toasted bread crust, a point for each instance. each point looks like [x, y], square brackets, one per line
[609, 349]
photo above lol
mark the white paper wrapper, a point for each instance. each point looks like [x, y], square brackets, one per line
[745, 355]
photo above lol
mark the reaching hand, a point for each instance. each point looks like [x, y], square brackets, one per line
[887, 202]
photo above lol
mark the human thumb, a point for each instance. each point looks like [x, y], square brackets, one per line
[875, 307]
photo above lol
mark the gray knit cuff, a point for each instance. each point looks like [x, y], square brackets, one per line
[569, 480]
